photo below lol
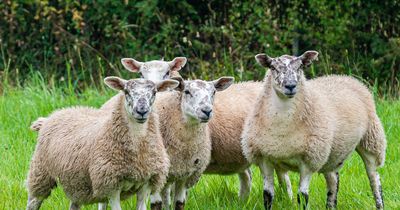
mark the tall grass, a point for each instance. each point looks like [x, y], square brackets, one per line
[19, 106]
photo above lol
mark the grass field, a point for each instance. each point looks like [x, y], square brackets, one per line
[20, 106]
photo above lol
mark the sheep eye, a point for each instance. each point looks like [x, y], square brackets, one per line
[166, 75]
[188, 92]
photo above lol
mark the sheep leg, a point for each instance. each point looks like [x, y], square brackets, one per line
[74, 206]
[156, 201]
[267, 170]
[245, 184]
[332, 183]
[305, 178]
[115, 200]
[370, 162]
[166, 196]
[284, 181]
[102, 206]
[39, 185]
[142, 196]
[33, 203]
[180, 195]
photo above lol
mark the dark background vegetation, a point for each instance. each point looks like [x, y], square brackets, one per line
[81, 41]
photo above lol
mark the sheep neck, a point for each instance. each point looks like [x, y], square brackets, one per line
[278, 107]
[122, 123]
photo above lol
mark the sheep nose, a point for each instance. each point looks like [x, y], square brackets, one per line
[142, 112]
[290, 86]
[207, 112]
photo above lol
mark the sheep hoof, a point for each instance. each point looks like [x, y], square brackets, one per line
[331, 204]
[302, 198]
[268, 198]
[179, 205]
[156, 206]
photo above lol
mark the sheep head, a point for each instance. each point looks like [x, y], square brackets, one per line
[198, 97]
[156, 70]
[139, 94]
[287, 71]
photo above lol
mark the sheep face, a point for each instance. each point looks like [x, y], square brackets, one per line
[198, 97]
[156, 70]
[287, 71]
[139, 94]
[139, 97]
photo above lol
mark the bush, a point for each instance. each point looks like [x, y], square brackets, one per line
[82, 40]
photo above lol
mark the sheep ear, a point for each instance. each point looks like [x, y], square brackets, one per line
[264, 60]
[167, 84]
[131, 64]
[115, 83]
[177, 64]
[223, 83]
[181, 85]
[308, 57]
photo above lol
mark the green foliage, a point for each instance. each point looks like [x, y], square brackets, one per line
[219, 37]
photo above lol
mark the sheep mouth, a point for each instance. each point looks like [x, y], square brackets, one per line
[141, 120]
[290, 95]
[204, 120]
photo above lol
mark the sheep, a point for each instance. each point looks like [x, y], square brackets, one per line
[183, 123]
[231, 108]
[98, 155]
[225, 129]
[312, 126]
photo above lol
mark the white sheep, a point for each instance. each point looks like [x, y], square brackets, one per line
[183, 123]
[231, 107]
[99, 155]
[312, 126]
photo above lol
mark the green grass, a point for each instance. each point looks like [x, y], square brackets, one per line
[20, 106]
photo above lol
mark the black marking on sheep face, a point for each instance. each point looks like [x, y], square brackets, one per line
[139, 98]
[268, 198]
[197, 100]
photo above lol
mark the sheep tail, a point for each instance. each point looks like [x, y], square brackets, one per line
[37, 124]
[374, 141]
